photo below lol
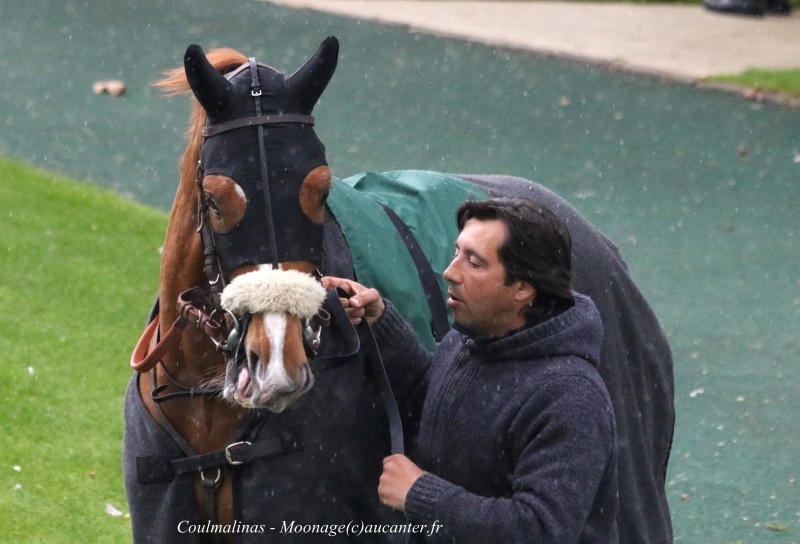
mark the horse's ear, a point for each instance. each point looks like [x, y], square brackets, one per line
[211, 88]
[309, 81]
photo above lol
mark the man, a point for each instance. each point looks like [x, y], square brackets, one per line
[515, 433]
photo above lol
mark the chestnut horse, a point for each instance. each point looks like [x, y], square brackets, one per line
[242, 296]
[254, 408]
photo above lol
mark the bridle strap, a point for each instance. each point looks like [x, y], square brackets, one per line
[216, 280]
[256, 121]
[192, 308]
[143, 359]
[255, 91]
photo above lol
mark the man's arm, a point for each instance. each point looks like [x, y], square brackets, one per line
[405, 359]
[564, 446]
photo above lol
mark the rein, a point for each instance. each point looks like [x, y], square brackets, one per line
[192, 308]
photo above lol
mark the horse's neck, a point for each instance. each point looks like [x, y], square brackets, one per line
[206, 423]
[181, 269]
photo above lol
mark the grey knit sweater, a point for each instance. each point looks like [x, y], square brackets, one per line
[517, 433]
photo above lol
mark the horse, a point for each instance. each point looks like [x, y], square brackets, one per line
[261, 412]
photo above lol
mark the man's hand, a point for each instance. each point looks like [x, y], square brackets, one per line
[363, 302]
[399, 474]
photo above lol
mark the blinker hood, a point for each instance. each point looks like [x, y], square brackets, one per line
[260, 134]
[296, 237]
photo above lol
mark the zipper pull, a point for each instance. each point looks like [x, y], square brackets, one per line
[469, 344]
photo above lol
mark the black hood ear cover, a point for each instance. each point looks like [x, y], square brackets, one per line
[297, 93]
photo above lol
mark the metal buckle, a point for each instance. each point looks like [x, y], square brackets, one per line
[256, 92]
[311, 338]
[231, 460]
[209, 482]
[230, 344]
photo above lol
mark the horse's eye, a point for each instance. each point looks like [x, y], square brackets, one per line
[213, 206]
[323, 197]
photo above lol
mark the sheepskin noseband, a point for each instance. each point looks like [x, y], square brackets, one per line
[274, 291]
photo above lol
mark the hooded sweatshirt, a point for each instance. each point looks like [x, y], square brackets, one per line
[517, 433]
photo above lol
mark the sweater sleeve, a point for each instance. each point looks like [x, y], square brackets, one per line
[563, 444]
[407, 364]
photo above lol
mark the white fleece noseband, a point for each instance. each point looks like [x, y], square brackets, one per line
[274, 291]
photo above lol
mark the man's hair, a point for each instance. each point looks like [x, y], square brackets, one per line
[537, 250]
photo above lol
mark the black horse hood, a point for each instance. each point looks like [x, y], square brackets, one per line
[260, 134]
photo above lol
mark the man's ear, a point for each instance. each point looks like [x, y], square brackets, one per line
[525, 292]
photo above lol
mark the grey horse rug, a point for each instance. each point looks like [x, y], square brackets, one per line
[340, 431]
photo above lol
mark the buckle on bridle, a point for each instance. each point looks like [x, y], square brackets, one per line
[311, 337]
[230, 344]
[229, 450]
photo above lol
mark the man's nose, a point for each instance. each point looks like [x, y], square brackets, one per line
[449, 273]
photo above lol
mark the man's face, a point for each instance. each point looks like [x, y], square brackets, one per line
[479, 297]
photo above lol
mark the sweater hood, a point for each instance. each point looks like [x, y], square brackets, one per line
[576, 332]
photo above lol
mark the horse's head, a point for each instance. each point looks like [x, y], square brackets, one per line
[262, 181]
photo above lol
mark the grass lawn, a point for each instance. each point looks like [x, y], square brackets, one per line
[79, 271]
[783, 81]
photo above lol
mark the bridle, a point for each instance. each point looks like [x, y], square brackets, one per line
[201, 306]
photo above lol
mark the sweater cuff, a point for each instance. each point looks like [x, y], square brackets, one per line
[390, 326]
[424, 496]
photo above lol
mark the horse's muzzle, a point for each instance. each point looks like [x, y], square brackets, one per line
[273, 390]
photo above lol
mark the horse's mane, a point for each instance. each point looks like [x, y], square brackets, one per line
[174, 83]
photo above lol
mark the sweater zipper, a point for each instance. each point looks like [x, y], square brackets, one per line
[452, 378]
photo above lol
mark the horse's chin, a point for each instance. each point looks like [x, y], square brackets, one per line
[248, 394]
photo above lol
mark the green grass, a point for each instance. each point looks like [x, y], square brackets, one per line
[79, 268]
[783, 81]
[786, 82]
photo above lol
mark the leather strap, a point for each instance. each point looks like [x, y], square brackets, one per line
[211, 266]
[158, 469]
[211, 482]
[194, 306]
[191, 306]
[256, 121]
[237, 453]
[440, 325]
[387, 396]
[143, 359]
[255, 91]
[164, 422]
